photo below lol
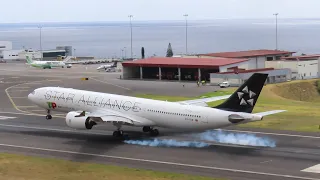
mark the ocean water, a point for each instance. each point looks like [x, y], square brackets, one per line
[106, 39]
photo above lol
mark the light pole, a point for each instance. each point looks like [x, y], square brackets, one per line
[74, 51]
[186, 15]
[41, 43]
[276, 14]
[125, 52]
[130, 16]
[122, 53]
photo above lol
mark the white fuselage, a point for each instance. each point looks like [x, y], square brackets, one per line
[51, 63]
[161, 113]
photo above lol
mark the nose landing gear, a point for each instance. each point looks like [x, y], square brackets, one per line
[49, 115]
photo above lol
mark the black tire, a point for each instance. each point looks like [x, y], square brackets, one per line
[154, 132]
[146, 129]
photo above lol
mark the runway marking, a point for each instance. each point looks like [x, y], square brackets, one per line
[12, 102]
[6, 117]
[30, 114]
[26, 106]
[22, 87]
[34, 83]
[19, 90]
[110, 84]
[159, 162]
[58, 130]
[277, 134]
[313, 169]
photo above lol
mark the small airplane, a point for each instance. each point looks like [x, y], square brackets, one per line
[86, 109]
[46, 64]
[108, 66]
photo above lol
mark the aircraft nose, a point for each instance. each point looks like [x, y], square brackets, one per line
[31, 96]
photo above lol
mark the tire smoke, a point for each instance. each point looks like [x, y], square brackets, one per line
[235, 138]
[167, 143]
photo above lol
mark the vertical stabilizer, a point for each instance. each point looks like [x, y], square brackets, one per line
[29, 60]
[245, 98]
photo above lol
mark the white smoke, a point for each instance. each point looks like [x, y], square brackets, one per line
[218, 136]
[235, 138]
[167, 143]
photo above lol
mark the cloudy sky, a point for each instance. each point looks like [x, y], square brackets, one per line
[13, 11]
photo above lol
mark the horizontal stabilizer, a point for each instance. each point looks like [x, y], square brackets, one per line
[266, 113]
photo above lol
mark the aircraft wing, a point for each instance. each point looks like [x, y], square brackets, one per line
[110, 116]
[203, 101]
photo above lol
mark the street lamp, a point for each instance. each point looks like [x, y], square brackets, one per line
[122, 53]
[186, 15]
[276, 14]
[41, 42]
[130, 16]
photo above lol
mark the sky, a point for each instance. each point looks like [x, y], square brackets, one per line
[25, 11]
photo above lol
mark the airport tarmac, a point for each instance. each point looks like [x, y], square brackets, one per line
[34, 135]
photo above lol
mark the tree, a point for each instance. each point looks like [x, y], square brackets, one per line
[142, 53]
[169, 51]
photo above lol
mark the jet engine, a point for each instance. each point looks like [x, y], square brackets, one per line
[75, 121]
[243, 118]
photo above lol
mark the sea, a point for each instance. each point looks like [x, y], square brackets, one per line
[113, 39]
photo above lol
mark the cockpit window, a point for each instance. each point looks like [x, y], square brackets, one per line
[33, 92]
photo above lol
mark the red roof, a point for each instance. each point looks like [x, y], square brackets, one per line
[247, 71]
[183, 62]
[246, 54]
[305, 57]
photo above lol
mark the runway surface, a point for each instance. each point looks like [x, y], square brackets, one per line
[33, 135]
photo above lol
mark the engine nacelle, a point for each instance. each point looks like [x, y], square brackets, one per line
[81, 123]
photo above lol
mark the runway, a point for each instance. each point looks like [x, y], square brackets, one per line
[34, 135]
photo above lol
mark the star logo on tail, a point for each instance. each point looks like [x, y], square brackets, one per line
[244, 91]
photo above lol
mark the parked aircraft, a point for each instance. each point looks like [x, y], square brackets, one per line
[107, 67]
[87, 108]
[46, 64]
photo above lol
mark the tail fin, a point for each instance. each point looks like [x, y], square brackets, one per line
[115, 64]
[29, 60]
[245, 98]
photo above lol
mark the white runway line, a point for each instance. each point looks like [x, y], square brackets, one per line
[313, 169]
[159, 162]
[6, 117]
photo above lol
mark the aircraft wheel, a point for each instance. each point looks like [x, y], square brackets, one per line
[146, 129]
[154, 132]
[117, 134]
[48, 117]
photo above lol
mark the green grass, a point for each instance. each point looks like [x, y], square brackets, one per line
[19, 167]
[301, 115]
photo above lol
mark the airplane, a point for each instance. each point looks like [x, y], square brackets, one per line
[86, 109]
[108, 66]
[46, 64]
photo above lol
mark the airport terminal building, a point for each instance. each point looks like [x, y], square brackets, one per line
[234, 67]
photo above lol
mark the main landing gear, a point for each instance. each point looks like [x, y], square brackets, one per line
[119, 133]
[49, 115]
[153, 132]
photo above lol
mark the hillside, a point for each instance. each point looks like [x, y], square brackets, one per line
[307, 90]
